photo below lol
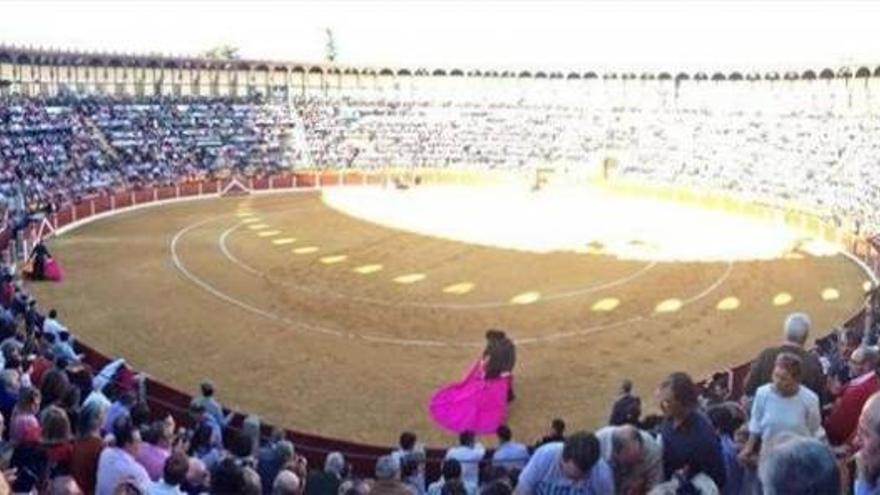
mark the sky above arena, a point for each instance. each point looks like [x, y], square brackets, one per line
[631, 35]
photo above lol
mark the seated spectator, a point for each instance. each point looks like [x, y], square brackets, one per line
[801, 465]
[574, 466]
[627, 408]
[796, 331]
[328, 480]
[228, 478]
[197, 478]
[117, 462]
[87, 448]
[450, 474]
[690, 445]
[783, 406]
[509, 454]
[24, 415]
[841, 422]
[469, 453]
[635, 457]
[57, 439]
[173, 475]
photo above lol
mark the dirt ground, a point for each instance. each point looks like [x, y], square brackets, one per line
[187, 291]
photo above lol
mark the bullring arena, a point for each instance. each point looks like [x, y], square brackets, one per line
[343, 307]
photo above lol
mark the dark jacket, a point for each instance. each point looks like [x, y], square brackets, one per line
[501, 356]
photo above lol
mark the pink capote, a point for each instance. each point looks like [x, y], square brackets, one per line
[52, 270]
[473, 404]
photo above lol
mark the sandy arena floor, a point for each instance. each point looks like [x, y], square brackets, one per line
[322, 322]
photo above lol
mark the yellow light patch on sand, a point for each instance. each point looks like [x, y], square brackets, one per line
[830, 294]
[459, 289]
[367, 269]
[244, 214]
[867, 286]
[258, 226]
[284, 241]
[793, 256]
[410, 278]
[669, 306]
[607, 304]
[306, 250]
[782, 299]
[250, 220]
[331, 260]
[268, 233]
[525, 298]
[728, 304]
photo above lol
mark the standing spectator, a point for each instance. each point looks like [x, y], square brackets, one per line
[783, 406]
[627, 408]
[796, 330]
[87, 448]
[556, 434]
[409, 452]
[24, 415]
[469, 453]
[117, 463]
[509, 454]
[328, 480]
[272, 457]
[840, 424]
[690, 445]
[51, 325]
[635, 457]
[209, 403]
[799, 465]
[726, 424]
[450, 474]
[156, 447]
[574, 466]
[388, 477]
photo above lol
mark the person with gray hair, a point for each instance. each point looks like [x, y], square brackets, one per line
[799, 465]
[328, 480]
[868, 457]
[635, 457]
[795, 331]
[287, 483]
[840, 423]
[87, 448]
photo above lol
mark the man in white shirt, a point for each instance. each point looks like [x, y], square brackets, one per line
[51, 325]
[509, 454]
[117, 463]
[469, 453]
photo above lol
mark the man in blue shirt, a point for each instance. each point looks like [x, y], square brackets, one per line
[509, 454]
[690, 444]
[570, 468]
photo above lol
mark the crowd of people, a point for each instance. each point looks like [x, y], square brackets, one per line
[56, 151]
[767, 146]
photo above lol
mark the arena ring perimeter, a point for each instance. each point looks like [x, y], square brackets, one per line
[339, 312]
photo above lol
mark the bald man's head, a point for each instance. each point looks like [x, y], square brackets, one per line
[286, 483]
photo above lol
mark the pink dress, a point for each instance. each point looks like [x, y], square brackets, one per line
[473, 404]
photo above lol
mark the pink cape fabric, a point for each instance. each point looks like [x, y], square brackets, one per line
[52, 270]
[473, 404]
